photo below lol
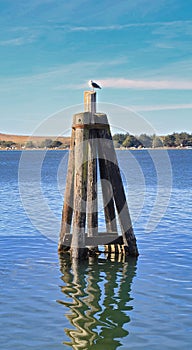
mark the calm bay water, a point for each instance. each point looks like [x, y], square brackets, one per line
[47, 303]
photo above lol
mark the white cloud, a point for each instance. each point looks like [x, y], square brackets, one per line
[14, 42]
[161, 28]
[162, 107]
[122, 83]
[20, 40]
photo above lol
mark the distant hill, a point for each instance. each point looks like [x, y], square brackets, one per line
[25, 140]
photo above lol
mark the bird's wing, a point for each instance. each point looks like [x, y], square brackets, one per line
[95, 85]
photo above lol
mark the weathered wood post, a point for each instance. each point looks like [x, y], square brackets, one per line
[91, 140]
[69, 190]
[78, 249]
[108, 153]
[92, 203]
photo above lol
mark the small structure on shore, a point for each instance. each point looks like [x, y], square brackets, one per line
[91, 150]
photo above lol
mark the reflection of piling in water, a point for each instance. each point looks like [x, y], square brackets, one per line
[99, 302]
[91, 143]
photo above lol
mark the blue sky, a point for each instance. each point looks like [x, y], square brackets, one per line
[139, 51]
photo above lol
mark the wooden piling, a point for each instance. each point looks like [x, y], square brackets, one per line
[92, 146]
[68, 198]
[109, 155]
[107, 191]
[78, 249]
[90, 101]
[92, 201]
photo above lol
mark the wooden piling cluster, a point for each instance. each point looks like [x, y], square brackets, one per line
[92, 150]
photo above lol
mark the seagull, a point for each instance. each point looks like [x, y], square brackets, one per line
[94, 85]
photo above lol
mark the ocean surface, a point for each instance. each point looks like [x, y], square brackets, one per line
[48, 303]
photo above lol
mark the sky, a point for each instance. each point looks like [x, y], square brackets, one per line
[138, 50]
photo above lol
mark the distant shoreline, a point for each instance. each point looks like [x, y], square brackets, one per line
[10, 142]
[117, 149]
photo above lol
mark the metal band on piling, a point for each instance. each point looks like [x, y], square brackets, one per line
[91, 126]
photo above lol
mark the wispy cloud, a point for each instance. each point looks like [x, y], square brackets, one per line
[122, 83]
[165, 30]
[173, 29]
[165, 45]
[159, 27]
[17, 41]
[101, 28]
[20, 35]
[162, 107]
[70, 73]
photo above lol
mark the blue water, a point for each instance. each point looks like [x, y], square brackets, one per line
[47, 303]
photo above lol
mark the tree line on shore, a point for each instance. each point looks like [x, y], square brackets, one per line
[121, 140]
[182, 139]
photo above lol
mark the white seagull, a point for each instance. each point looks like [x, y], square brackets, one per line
[94, 85]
